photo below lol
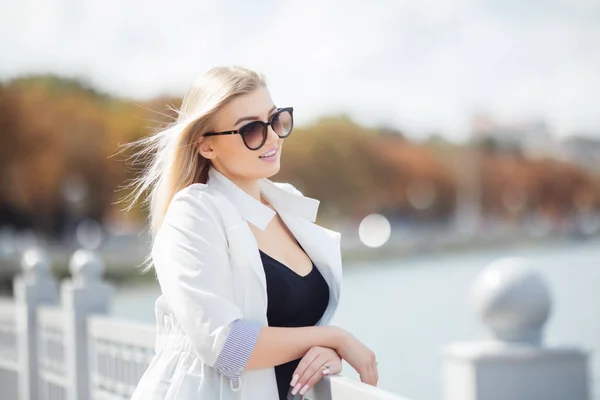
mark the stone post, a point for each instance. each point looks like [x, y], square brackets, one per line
[84, 294]
[514, 303]
[34, 287]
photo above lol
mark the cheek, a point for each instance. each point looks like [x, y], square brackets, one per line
[235, 152]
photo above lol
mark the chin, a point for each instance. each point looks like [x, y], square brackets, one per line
[273, 170]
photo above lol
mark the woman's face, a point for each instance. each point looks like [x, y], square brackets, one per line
[228, 153]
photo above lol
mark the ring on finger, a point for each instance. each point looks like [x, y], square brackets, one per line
[326, 366]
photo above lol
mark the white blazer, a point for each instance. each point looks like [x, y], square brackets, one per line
[210, 273]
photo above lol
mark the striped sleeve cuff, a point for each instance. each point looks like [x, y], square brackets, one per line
[237, 348]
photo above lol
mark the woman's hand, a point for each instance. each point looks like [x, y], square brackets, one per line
[360, 357]
[312, 368]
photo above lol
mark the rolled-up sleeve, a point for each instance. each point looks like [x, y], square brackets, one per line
[237, 349]
[191, 261]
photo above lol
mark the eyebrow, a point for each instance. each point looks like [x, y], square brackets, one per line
[253, 118]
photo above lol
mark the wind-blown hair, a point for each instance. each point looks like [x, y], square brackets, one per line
[173, 161]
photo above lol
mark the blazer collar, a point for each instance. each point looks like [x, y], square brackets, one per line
[253, 210]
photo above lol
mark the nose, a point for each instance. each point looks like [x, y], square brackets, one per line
[271, 133]
[272, 136]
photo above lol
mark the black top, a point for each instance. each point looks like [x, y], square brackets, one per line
[293, 301]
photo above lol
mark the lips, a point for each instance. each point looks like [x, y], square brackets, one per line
[267, 152]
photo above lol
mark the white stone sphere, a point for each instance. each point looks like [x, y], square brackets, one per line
[512, 300]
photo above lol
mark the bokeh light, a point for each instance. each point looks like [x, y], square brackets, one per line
[374, 230]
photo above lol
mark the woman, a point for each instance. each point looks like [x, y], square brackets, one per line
[249, 283]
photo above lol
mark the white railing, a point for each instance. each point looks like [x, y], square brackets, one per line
[8, 348]
[120, 352]
[71, 350]
[74, 351]
[51, 360]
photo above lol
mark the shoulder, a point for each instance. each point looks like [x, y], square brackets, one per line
[192, 215]
[195, 195]
[193, 204]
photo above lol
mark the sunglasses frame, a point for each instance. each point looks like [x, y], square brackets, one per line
[265, 128]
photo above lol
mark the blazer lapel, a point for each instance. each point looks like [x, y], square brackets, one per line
[298, 212]
[247, 254]
[322, 245]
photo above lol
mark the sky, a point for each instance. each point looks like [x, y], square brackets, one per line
[420, 66]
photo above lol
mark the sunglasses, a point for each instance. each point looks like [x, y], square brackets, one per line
[254, 134]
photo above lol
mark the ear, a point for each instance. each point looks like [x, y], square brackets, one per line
[206, 149]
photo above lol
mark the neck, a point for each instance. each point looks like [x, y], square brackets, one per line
[249, 186]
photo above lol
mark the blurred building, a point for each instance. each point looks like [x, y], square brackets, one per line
[530, 139]
[583, 151]
[534, 140]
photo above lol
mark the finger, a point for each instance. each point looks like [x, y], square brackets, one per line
[313, 380]
[302, 365]
[372, 375]
[315, 366]
[376, 369]
[366, 375]
[363, 374]
[336, 367]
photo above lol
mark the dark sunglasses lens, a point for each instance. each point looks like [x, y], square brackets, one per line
[283, 122]
[253, 134]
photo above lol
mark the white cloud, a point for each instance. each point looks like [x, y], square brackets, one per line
[425, 66]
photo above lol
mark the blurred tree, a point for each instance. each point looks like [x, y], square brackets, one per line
[60, 159]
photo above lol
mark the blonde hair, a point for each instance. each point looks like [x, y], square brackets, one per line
[171, 152]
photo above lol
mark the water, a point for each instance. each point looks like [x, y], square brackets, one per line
[407, 310]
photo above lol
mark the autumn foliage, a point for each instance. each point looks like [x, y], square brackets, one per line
[58, 131]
